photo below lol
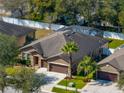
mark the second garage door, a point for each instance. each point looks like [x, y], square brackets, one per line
[58, 68]
[107, 76]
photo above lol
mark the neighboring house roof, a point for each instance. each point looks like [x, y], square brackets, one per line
[12, 29]
[51, 45]
[116, 60]
[84, 30]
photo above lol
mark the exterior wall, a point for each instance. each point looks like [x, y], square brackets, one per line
[58, 60]
[32, 61]
[31, 34]
[21, 40]
[109, 69]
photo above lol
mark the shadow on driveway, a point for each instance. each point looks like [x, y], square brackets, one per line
[50, 79]
[101, 82]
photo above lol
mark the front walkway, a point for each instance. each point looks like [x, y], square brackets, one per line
[52, 78]
[68, 88]
[101, 87]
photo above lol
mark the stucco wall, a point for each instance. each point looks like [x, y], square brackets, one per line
[21, 40]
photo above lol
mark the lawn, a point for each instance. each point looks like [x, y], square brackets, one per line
[58, 90]
[40, 33]
[115, 43]
[77, 80]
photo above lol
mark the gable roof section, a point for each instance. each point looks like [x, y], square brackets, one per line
[51, 45]
[116, 60]
[16, 30]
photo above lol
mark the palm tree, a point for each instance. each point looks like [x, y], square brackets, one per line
[88, 67]
[69, 48]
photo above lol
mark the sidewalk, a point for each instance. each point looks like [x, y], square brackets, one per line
[68, 88]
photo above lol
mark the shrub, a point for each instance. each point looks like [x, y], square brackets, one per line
[24, 62]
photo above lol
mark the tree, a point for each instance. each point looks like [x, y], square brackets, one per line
[42, 10]
[28, 80]
[16, 5]
[121, 81]
[3, 79]
[24, 79]
[8, 50]
[87, 66]
[69, 48]
[112, 11]
[87, 8]
[67, 11]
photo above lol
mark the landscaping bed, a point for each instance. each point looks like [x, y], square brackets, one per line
[77, 80]
[58, 90]
[115, 43]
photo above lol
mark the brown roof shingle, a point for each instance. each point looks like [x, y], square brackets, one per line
[51, 45]
[116, 60]
[16, 30]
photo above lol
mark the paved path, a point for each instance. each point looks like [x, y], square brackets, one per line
[11, 90]
[101, 87]
[68, 88]
[52, 78]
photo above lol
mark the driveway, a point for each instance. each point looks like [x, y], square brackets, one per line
[52, 78]
[101, 86]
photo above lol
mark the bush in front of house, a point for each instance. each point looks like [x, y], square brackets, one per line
[24, 62]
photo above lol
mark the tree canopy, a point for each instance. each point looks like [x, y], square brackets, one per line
[87, 67]
[65, 11]
[8, 50]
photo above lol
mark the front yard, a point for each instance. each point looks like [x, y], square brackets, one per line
[79, 83]
[77, 80]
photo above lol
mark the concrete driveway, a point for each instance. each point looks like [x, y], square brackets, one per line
[101, 86]
[52, 78]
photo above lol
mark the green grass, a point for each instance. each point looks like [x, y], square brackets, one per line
[77, 80]
[58, 90]
[115, 43]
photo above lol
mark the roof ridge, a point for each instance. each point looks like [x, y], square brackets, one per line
[44, 38]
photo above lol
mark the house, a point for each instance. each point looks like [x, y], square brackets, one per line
[46, 52]
[23, 34]
[112, 66]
